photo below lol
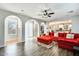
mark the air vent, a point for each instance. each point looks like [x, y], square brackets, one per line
[70, 11]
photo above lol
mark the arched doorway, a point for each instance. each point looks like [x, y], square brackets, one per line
[31, 29]
[13, 30]
[43, 28]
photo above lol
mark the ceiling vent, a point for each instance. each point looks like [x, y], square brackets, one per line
[70, 11]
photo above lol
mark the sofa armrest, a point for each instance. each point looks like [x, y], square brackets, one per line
[78, 39]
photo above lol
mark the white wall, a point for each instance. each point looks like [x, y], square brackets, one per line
[75, 24]
[3, 15]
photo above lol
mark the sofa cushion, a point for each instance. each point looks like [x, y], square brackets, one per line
[65, 34]
[51, 33]
[60, 34]
[45, 39]
[70, 36]
[76, 36]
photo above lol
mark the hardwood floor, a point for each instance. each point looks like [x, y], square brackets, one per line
[31, 48]
[12, 41]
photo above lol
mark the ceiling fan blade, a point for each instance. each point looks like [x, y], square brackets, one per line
[49, 16]
[51, 13]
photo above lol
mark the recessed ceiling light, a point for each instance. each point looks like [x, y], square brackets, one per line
[22, 10]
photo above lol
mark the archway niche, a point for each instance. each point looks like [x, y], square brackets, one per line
[13, 30]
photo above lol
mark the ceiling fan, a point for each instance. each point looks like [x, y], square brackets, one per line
[47, 13]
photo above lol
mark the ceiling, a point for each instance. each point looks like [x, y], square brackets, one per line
[34, 9]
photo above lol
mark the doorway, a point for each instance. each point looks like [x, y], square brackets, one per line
[31, 29]
[13, 30]
[43, 28]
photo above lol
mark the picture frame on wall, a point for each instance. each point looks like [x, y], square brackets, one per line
[12, 27]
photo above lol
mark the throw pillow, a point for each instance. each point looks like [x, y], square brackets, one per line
[71, 36]
[56, 34]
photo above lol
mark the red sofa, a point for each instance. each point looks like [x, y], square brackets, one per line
[67, 43]
[63, 42]
[46, 39]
